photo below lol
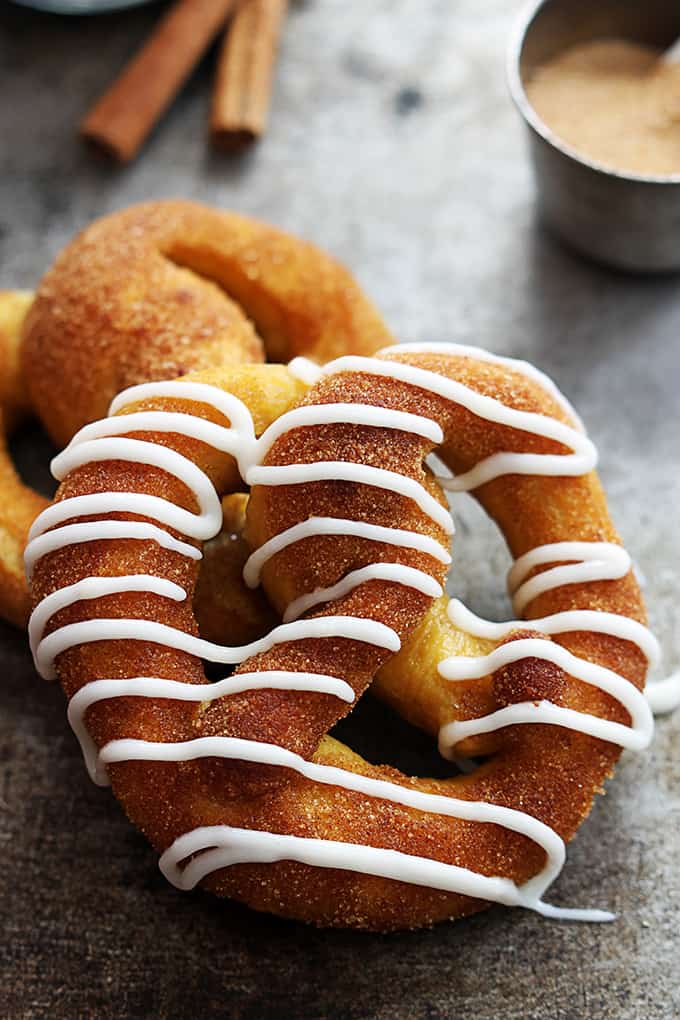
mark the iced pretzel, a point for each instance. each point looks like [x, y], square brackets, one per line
[237, 783]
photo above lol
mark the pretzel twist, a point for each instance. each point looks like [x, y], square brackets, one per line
[152, 292]
[169, 287]
[238, 783]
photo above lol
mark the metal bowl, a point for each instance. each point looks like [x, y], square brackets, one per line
[630, 221]
[80, 6]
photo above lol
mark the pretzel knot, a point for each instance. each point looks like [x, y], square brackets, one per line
[152, 292]
[237, 782]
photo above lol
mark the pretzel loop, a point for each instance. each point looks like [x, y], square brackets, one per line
[148, 293]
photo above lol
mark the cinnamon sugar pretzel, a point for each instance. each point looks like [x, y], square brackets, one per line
[169, 287]
[237, 783]
[151, 292]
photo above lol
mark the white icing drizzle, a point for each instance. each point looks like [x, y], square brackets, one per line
[456, 879]
[635, 737]
[97, 531]
[305, 370]
[579, 462]
[200, 393]
[220, 846]
[340, 470]
[353, 628]
[203, 525]
[249, 453]
[179, 423]
[595, 621]
[480, 354]
[95, 588]
[348, 414]
[176, 690]
[664, 695]
[396, 572]
[592, 561]
[315, 526]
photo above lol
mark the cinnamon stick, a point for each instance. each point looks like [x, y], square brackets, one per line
[123, 117]
[245, 70]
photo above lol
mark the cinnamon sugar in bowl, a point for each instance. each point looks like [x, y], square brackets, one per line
[603, 117]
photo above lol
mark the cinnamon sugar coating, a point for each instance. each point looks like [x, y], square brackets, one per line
[168, 287]
[549, 772]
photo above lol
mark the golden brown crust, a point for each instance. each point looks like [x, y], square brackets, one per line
[548, 772]
[19, 505]
[226, 610]
[14, 305]
[168, 287]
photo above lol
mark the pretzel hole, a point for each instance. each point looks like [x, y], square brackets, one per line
[31, 451]
[381, 736]
[480, 560]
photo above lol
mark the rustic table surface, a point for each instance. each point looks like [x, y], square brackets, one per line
[393, 144]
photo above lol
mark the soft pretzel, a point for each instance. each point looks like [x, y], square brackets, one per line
[238, 783]
[167, 287]
[151, 292]
[19, 504]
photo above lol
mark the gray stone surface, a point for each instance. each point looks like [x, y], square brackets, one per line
[393, 144]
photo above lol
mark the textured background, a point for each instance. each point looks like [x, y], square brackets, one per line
[393, 143]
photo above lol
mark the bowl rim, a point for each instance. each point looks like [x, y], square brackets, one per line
[80, 9]
[518, 36]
